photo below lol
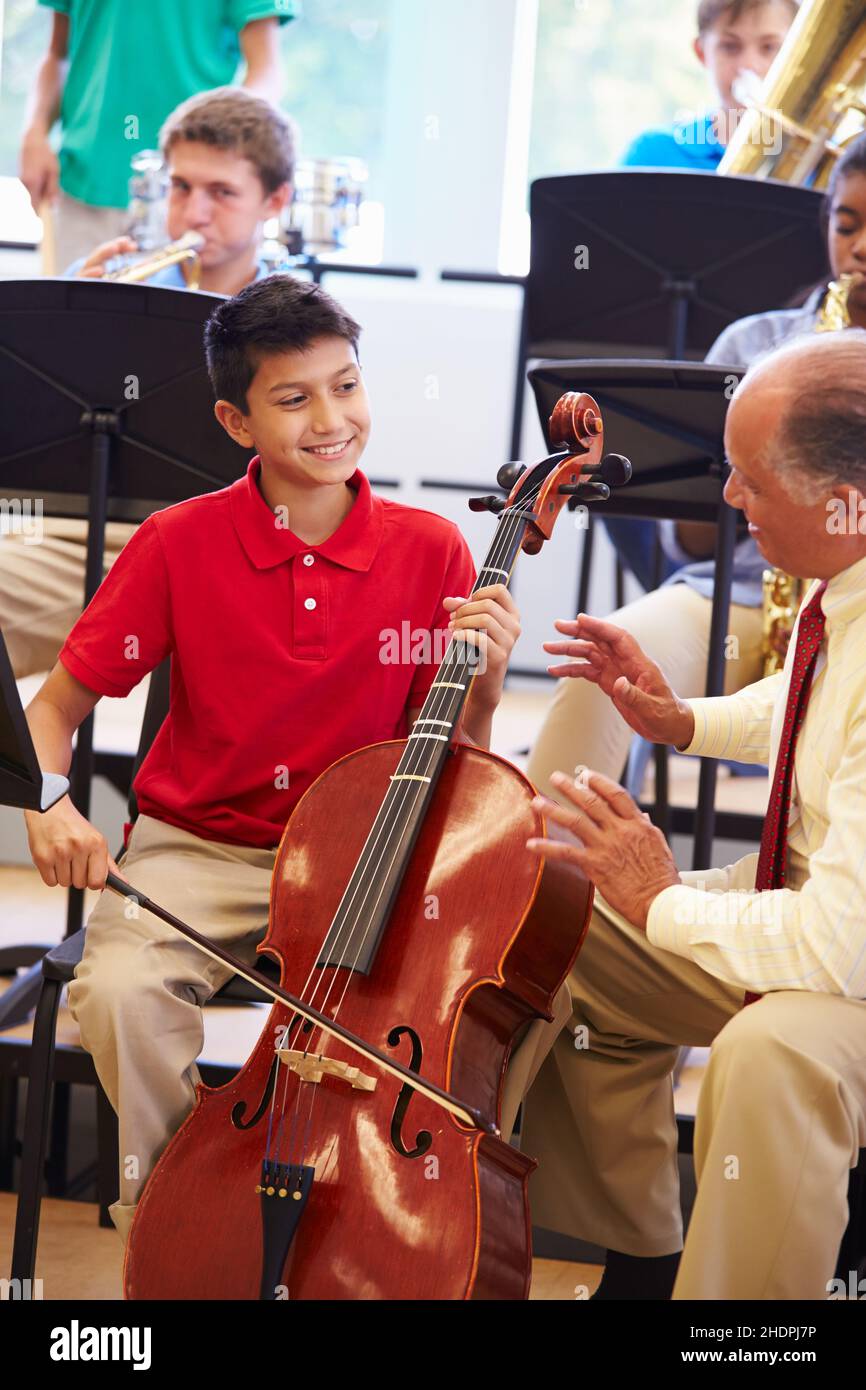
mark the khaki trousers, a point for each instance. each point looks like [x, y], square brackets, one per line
[80, 227]
[138, 991]
[780, 1121]
[42, 588]
[673, 627]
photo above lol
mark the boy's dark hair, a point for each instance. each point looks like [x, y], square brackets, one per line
[279, 314]
[229, 118]
[711, 11]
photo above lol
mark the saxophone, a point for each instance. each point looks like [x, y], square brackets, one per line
[783, 593]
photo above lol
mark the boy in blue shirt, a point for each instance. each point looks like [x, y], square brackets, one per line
[230, 157]
[734, 37]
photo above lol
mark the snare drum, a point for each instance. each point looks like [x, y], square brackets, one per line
[327, 204]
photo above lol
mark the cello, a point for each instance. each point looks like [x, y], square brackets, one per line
[405, 912]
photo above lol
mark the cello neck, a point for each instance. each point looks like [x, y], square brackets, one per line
[362, 916]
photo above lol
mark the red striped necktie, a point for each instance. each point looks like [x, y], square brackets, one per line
[772, 862]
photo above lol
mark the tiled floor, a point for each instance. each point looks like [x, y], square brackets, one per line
[79, 1260]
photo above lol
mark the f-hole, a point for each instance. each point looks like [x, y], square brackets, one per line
[423, 1139]
[239, 1110]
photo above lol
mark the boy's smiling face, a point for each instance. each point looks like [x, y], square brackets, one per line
[308, 414]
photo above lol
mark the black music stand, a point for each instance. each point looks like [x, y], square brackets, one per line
[674, 258]
[317, 268]
[110, 418]
[669, 419]
[22, 781]
[25, 785]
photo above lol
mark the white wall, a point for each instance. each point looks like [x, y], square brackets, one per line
[450, 89]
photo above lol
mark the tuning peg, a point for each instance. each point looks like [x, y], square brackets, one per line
[509, 475]
[616, 470]
[488, 504]
[585, 492]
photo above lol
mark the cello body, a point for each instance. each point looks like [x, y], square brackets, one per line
[406, 1201]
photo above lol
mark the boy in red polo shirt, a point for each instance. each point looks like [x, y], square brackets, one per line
[277, 600]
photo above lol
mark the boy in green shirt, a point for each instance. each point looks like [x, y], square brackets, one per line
[98, 77]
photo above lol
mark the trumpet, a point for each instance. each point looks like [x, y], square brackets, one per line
[186, 248]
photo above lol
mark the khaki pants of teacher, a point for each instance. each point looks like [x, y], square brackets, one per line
[138, 991]
[42, 588]
[780, 1121]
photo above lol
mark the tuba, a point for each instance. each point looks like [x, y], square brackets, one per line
[813, 103]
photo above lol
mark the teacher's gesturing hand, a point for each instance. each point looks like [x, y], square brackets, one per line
[609, 657]
[622, 852]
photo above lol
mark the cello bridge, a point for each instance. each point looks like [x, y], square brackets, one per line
[315, 1069]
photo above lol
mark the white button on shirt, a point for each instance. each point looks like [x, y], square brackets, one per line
[311, 605]
[309, 560]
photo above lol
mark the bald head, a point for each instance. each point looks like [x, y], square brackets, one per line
[813, 358]
[807, 399]
[796, 442]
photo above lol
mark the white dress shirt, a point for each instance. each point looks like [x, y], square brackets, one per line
[811, 934]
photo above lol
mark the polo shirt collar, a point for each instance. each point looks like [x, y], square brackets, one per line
[354, 545]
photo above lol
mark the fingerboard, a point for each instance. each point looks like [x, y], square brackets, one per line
[360, 921]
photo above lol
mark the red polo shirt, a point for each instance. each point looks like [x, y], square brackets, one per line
[285, 656]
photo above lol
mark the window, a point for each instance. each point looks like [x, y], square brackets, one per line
[607, 70]
[336, 63]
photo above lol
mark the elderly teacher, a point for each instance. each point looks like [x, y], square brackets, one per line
[764, 961]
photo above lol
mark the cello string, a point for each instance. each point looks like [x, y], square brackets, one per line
[464, 665]
[459, 658]
[460, 655]
[499, 550]
[393, 805]
[456, 664]
[337, 1010]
